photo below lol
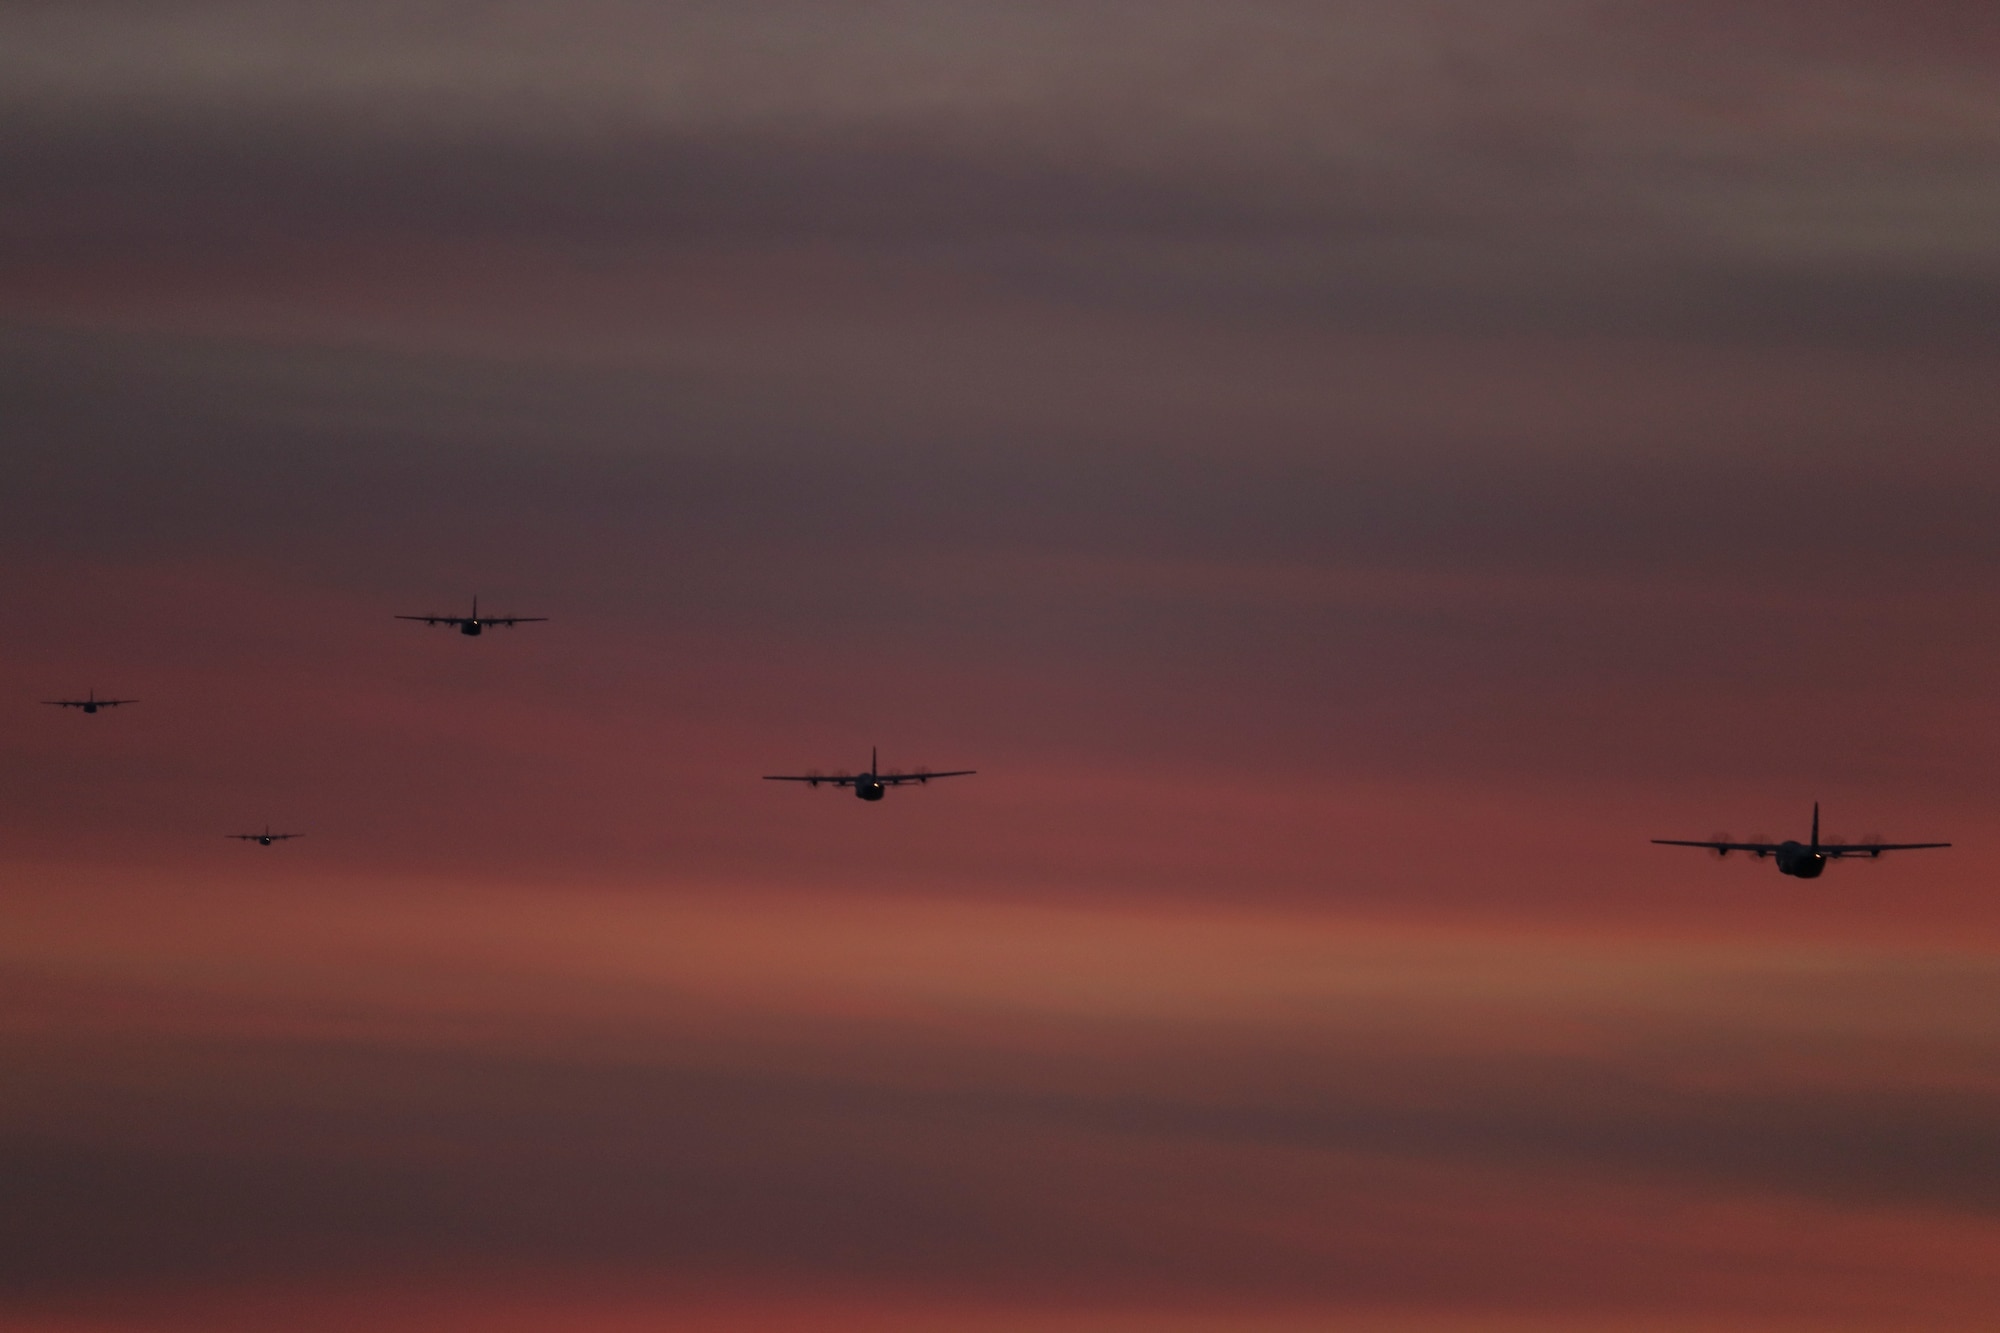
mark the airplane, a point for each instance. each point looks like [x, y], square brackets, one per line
[264, 839]
[471, 625]
[872, 785]
[90, 703]
[1807, 860]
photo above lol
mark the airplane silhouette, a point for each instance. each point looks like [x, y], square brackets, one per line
[264, 839]
[872, 785]
[1807, 860]
[471, 625]
[90, 703]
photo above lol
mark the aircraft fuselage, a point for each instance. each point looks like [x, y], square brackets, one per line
[90, 708]
[265, 842]
[868, 789]
[471, 628]
[1795, 858]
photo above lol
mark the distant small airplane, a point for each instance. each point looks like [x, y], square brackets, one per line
[474, 623]
[90, 703]
[264, 839]
[872, 785]
[1807, 860]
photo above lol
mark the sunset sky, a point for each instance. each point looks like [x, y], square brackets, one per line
[1346, 474]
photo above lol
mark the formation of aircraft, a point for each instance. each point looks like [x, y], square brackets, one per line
[1802, 860]
[266, 838]
[1806, 860]
[471, 625]
[872, 785]
[90, 703]
[474, 624]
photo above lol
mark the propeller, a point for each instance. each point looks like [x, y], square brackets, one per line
[1720, 837]
[1758, 837]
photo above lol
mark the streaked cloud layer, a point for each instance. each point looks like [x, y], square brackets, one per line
[1765, 167]
[1346, 475]
[990, 1107]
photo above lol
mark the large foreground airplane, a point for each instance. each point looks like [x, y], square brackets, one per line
[90, 703]
[872, 785]
[264, 839]
[475, 622]
[1807, 860]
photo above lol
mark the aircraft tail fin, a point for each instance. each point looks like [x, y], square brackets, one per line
[874, 760]
[1815, 832]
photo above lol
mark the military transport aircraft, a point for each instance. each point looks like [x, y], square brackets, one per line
[869, 786]
[264, 839]
[475, 622]
[1807, 860]
[90, 703]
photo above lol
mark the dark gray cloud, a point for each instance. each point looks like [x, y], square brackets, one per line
[1563, 165]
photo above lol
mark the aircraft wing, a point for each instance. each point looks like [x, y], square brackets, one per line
[436, 620]
[814, 778]
[510, 620]
[1760, 848]
[1831, 850]
[897, 779]
[88, 703]
[1840, 849]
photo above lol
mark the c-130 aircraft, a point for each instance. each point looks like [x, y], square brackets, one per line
[1806, 860]
[473, 624]
[90, 703]
[264, 839]
[872, 785]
